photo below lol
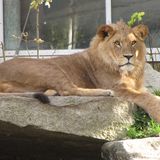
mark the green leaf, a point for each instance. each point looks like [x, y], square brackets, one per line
[136, 16]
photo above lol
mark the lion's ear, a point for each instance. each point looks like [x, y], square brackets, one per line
[105, 31]
[141, 31]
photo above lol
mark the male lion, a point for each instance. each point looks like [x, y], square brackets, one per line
[114, 62]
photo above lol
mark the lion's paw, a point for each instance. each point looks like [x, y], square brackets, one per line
[110, 93]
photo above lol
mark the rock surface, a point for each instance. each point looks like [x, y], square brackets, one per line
[96, 117]
[137, 149]
[151, 78]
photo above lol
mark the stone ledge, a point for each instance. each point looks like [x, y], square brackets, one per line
[103, 118]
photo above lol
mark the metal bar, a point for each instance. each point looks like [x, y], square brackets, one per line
[108, 11]
[1, 22]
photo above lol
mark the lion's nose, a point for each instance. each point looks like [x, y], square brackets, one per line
[128, 56]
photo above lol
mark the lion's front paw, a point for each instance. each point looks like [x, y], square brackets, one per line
[154, 109]
[110, 93]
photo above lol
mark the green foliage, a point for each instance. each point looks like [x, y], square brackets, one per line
[36, 3]
[136, 17]
[144, 126]
[157, 92]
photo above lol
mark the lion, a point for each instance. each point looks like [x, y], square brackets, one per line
[113, 65]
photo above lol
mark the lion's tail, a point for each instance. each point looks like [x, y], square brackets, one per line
[42, 98]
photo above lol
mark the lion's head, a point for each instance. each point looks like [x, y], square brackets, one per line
[121, 46]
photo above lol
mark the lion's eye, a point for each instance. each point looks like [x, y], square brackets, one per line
[117, 44]
[133, 43]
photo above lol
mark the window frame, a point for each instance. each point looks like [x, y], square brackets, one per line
[1, 22]
[50, 53]
[44, 53]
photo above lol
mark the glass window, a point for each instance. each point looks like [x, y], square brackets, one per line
[67, 24]
[11, 23]
[123, 9]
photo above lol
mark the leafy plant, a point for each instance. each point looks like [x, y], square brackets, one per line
[136, 17]
[36, 3]
[157, 92]
[144, 126]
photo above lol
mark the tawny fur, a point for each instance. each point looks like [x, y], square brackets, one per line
[99, 70]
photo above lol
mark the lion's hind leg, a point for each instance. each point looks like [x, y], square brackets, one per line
[51, 92]
[10, 87]
[44, 97]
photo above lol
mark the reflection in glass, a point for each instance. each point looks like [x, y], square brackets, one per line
[67, 24]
